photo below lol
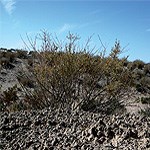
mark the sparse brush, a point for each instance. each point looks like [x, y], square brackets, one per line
[30, 62]
[16, 106]
[7, 58]
[26, 81]
[147, 69]
[138, 64]
[143, 85]
[4, 61]
[11, 56]
[138, 73]
[22, 54]
[145, 82]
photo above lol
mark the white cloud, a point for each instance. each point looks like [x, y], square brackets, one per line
[66, 27]
[9, 5]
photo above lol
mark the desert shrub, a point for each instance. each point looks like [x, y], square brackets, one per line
[131, 66]
[25, 81]
[11, 56]
[30, 61]
[7, 58]
[138, 73]
[4, 61]
[8, 54]
[139, 64]
[8, 97]
[68, 77]
[143, 85]
[147, 68]
[22, 54]
[125, 62]
[10, 94]
[16, 106]
[145, 82]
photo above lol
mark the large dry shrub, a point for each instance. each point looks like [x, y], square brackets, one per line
[71, 77]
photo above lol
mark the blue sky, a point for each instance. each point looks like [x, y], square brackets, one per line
[127, 21]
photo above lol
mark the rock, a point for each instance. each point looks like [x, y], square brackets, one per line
[55, 141]
[94, 131]
[110, 133]
[131, 134]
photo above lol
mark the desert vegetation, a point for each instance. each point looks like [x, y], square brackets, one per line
[67, 76]
[63, 96]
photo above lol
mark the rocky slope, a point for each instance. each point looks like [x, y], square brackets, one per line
[70, 130]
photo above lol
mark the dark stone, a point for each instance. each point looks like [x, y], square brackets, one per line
[102, 125]
[55, 141]
[6, 121]
[8, 138]
[29, 143]
[51, 148]
[52, 123]
[38, 122]
[63, 124]
[94, 131]
[110, 133]
[131, 134]
[100, 134]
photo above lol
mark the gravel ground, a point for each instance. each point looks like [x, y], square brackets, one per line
[70, 130]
